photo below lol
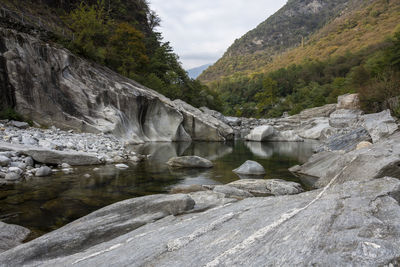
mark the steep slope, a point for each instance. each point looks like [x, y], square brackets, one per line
[286, 29]
[195, 72]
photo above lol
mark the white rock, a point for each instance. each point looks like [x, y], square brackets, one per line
[260, 133]
[250, 168]
[121, 166]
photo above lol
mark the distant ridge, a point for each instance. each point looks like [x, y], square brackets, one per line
[195, 72]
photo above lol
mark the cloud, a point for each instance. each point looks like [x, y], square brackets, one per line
[200, 31]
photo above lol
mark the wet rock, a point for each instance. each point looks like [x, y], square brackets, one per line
[232, 192]
[261, 133]
[121, 166]
[19, 124]
[65, 166]
[250, 168]
[189, 162]
[15, 170]
[11, 236]
[43, 171]
[349, 101]
[379, 125]
[4, 161]
[20, 165]
[267, 187]
[29, 161]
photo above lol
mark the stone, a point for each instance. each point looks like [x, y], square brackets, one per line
[15, 170]
[344, 118]
[65, 165]
[12, 176]
[324, 111]
[11, 236]
[379, 125]
[364, 144]
[43, 171]
[185, 189]
[47, 156]
[189, 162]
[101, 226]
[314, 128]
[27, 140]
[231, 192]
[87, 175]
[260, 133]
[346, 142]
[29, 161]
[208, 199]
[349, 101]
[121, 166]
[4, 161]
[267, 187]
[285, 136]
[19, 124]
[20, 165]
[250, 168]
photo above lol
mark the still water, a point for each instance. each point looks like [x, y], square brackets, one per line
[45, 204]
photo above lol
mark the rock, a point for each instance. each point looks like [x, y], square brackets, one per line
[46, 156]
[379, 125]
[13, 176]
[27, 140]
[363, 144]
[20, 165]
[285, 136]
[208, 199]
[263, 187]
[349, 101]
[250, 168]
[231, 192]
[29, 161]
[87, 175]
[189, 162]
[85, 97]
[344, 118]
[233, 121]
[43, 171]
[260, 133]
[346, 142]
[15, 170]
[314, 128]
[11, 236]
[378, 161]
[353, 224]
[100, 226]
[65, 166]
[67, 170]
[19, 124]
[324, 111]
[4, 161]
[121, 166]
[185, 189]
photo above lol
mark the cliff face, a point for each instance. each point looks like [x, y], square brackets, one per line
[51, 86]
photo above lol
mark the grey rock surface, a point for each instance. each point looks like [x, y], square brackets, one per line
[352, 224]
[261, 133]
[11, 236]
[344, 118]
[4, 161]
[379, 125]
[232, 192]
[205, 200]
[250, 168]
[347, 141]
[86, 97]
[349, 101]
[189, 162]
[267, 187]
[43, 171]
[12, 176]
[98, 227]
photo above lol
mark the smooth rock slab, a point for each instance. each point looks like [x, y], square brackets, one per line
[11, 236]
[232, 192]
[347, 141]
[379, 125]
[250, 168]
[354, 224]
[190, 162]
[267, 187]
[260, 133]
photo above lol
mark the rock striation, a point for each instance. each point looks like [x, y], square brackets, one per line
[51, 86]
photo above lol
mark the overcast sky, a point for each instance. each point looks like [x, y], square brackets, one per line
[200, 31]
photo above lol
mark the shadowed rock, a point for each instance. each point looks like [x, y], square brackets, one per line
[189, 162]
[11, 236]
[250, 168]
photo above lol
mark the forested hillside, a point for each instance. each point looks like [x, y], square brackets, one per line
[122, 35]
[357, 51]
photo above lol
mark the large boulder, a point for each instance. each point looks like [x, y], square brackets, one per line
[72, 93]
[189, 162]
[250, 168]
[349, 101]
[261, 133]
[347, 141]
[324, 111]
[379, 125]
[232, 192]
[267, 187]
[344, 118]
[4, 161]
[352, 224]
[101, 226]
[313, 128]
[11, 236]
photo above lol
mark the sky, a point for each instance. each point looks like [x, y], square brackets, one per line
[200, 31]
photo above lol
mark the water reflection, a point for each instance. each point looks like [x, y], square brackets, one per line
[44, 204]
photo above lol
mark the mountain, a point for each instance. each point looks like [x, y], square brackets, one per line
[195, 72]
[356, 50]
[287, 28]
